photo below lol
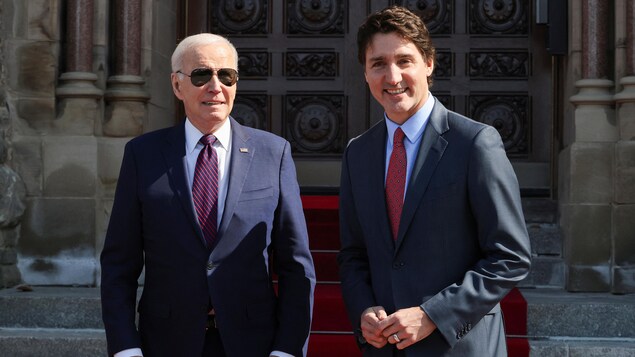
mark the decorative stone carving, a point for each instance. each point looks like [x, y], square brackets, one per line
[311, 64]
[12, 197]
[436, 14]
[495, 65]
[252, 110]
[253, 64]
[510, 116]
[443, 65]
[316, 17]
[499, 17]
[315, 123]
[446, 100]
[240, 17]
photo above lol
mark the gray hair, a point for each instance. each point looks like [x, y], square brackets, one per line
[194, 41]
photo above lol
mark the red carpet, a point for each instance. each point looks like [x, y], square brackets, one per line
[331, 331]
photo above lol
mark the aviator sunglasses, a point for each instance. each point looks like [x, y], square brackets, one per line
[200, 76]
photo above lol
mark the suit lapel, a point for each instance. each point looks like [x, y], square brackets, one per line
[377, 157]
[238, 169]
[174, 154]
[430, 152]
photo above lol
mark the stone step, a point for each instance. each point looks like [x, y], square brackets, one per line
[51, 307]
[17, 342]
[582, 348]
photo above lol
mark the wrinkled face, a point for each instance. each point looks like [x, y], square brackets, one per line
[207, 106]
[397, 75]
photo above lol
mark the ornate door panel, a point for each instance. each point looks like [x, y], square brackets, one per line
[299, 75]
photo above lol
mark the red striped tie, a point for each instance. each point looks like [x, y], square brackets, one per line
[205, 189]
[396, 181]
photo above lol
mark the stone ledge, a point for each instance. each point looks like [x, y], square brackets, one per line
[582, 348]
[52, 342]
[555, 312]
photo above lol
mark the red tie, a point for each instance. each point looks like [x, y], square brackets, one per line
[396, 181]
[205, 189]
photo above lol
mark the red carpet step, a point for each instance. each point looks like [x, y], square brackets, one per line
[331, 331]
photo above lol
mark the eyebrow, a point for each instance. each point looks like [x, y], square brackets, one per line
[398, 56]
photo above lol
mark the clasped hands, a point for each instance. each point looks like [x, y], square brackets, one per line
[402, 328]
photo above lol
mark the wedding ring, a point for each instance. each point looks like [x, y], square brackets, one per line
[394, 335]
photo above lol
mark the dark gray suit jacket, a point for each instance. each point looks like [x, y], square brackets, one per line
[153, 226]
[462, 242]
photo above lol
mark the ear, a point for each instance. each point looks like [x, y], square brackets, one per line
[365, 76]
[176, 85]
[430, 66]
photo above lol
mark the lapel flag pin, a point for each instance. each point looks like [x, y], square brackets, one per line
[244, 150]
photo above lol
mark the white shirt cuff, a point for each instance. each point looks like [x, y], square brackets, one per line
[131, 352]
[279, 354]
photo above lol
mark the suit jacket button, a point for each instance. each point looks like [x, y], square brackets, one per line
[210, 265]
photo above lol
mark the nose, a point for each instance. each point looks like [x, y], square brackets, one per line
[393, 75]
[214, 84]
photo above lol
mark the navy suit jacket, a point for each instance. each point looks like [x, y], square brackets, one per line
[462, 241]
[153, 226]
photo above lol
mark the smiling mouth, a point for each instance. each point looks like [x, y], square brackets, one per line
[213, 103]
[395, 91]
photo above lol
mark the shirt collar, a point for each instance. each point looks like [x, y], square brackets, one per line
[414, 126]
[193, 135]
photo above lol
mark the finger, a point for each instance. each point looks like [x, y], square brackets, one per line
[380, 313]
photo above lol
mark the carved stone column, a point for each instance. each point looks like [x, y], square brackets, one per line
[586, 170]
[79, 98]
[12, 197]
[126, 97]
[624, 198]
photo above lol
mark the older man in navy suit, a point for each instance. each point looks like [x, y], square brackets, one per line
[211, 209]
[432, 229]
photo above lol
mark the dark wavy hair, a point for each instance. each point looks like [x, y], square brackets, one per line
[400, 20]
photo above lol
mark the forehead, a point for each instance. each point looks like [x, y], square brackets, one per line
[386, 45]
[214, 55]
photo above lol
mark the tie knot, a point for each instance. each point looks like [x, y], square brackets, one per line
[207, 140]
[398, 137]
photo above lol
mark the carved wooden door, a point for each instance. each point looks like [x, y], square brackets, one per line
[299, 75]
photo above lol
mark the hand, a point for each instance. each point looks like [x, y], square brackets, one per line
[370, 327]
[410, 325]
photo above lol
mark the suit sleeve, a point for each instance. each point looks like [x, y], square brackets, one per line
[352, 259]
[293, 264]
[494, 201]
[122, 261]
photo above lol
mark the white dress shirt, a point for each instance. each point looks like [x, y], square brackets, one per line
[413, 128]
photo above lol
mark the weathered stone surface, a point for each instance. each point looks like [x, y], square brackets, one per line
[53, 226]
[52, 343]
[587, 233]
[625, 172]
[36, 67]
[9, 237]
[9, 276]
[57, 242]
[545, 272]
[546, 238]
[70, 168]
[8, 256]
[553, 312]
[124, 119]
[586, 171]
[36, 114]
[27, 161]
[109, 157]
[43, 20]
[12, 195]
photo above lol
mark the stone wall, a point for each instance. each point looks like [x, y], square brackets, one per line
[58, 144]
